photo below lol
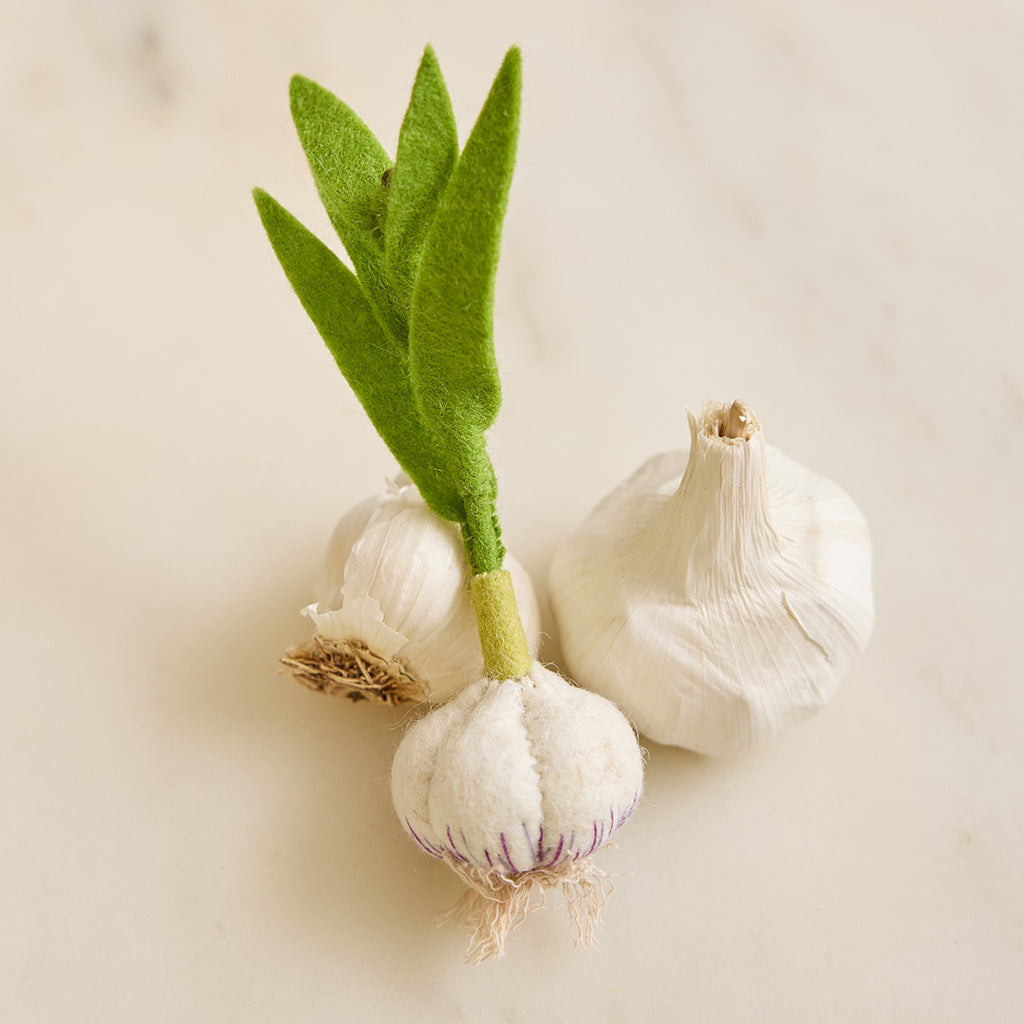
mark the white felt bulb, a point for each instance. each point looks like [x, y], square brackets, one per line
[719, 595]
[394, 619]
[515, 784]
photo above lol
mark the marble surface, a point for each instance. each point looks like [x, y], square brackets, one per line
[815, 207]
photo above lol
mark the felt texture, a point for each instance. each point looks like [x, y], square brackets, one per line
[451, 349]
[412, 328]
[396, 582]
[376, 368]
[514, 784]
[516, 775]
[349, 167]
[428, 148]
[502, 640]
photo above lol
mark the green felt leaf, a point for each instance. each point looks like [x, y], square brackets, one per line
[374, 365]
[411, 329]
[451, 351]
[350, 168]
[428, 148]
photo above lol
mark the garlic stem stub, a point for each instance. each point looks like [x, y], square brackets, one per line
[515, 784]
[717, 595]
[394, 614]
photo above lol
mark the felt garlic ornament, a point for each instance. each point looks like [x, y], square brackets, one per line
[515, 784]
[394, 620]
[719, 594]
[522, 777]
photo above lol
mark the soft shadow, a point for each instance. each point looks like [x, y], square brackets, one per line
[337, 869]
[330, 867]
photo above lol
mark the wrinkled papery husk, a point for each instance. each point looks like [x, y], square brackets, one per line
[718, 595]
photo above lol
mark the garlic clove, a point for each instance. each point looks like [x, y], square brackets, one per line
[515, 784]
[718, 595]
[343, 539]
[394, 620]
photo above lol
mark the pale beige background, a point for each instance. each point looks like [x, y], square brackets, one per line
[814, 206]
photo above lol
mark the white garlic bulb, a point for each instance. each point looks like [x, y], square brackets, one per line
[717, 596]
[394, 619]
[514, 784]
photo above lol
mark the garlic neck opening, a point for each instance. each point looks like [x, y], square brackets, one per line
[716, 529]
[736, 422]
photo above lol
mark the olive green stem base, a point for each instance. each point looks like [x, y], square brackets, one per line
[502, 639]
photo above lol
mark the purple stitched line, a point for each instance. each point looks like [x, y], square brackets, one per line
[487, 854]
[558, 852]
[540, 846]
[508, 858]
[426, 846]
[593, 845]
[454, 848]
[416, 836]
[632, 808]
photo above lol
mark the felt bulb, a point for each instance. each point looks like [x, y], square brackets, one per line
[394, 619]
[718, 595]
[515, 784]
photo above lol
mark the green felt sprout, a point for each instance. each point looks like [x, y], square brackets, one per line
[520, 777]
[411, 328]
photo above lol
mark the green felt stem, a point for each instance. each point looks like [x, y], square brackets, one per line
[502, 638]
[481, 531]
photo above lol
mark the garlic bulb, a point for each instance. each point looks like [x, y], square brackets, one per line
[514, 784]
[716, 596]
[394, 619]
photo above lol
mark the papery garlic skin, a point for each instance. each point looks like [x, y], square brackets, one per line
[396, 581]
[718, 595]
[517, 780]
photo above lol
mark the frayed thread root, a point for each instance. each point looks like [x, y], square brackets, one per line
[350, 669]
[494, 904]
